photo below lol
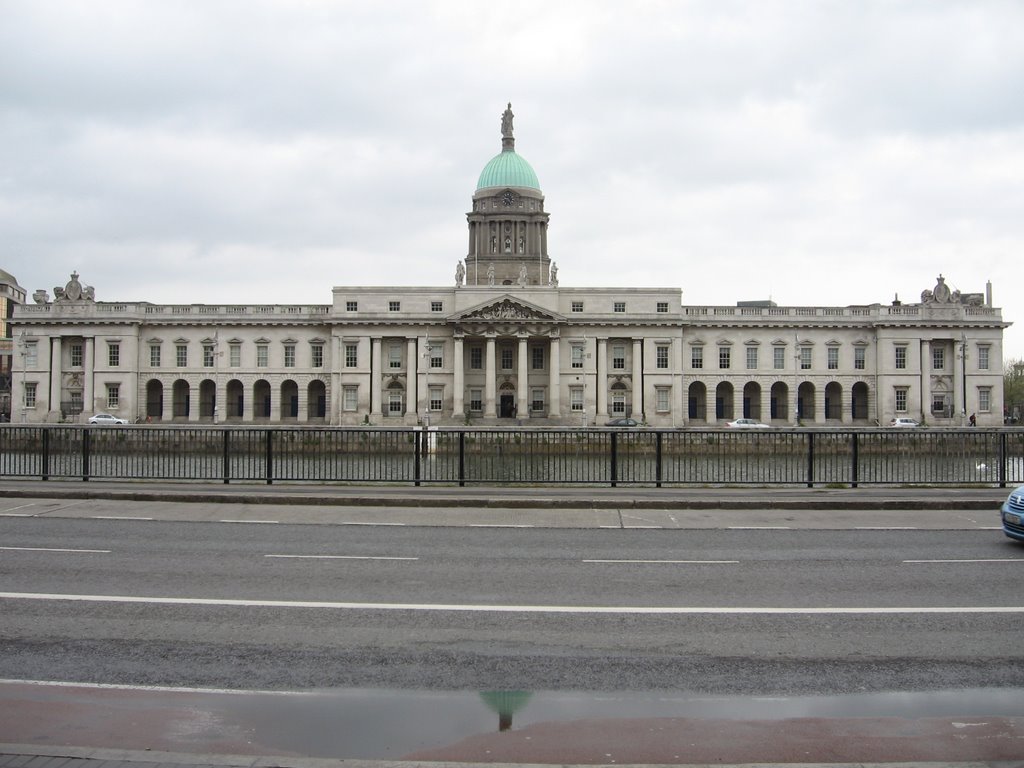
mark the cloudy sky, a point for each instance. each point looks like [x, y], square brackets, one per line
[817, 153]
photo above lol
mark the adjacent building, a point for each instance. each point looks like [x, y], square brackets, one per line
[505, 343]
[11, 294]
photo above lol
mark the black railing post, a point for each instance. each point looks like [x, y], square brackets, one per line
[85, 453]
[810, 459]
[657, 459]
[270, 457]
[615, 458]
[46, 454]
[462, 459]
[418, 445]
[1002, 459]
[226, 461]
[855, 454]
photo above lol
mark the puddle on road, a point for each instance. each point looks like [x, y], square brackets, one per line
[375, 724]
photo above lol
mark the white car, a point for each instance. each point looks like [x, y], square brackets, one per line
[747, 424]
[902, 421]
[106, 418]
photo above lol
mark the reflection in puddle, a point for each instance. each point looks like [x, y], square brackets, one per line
[382, 724]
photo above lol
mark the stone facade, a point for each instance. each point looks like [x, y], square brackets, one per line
[506, 344]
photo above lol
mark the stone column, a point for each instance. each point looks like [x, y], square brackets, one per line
[819, 405]
[522, 390]
[766, 403]
[601, 379]
[926, 379]
[248, 403]
[554, 383]
[303, 392]
[167, 411]
[489, 382]
[959, 396]
[459, 380]
[88, 374]
[375, 377]
[737, 401]
[638, 379]
[275, 401]
[412, 378]
[55, 377]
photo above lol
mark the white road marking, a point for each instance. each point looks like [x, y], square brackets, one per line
[339, 557]
[55, 549]
[396, 525]
[20, 506]
[640, 527]
[979, 560]
[500, 525]
[688, 562]
[265, 522]
[472, 608]
[157, 688]
[118, 517]
[15, 514]
[885, 528]
[759, 527]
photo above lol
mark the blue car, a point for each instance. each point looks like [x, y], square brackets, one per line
[1013, 515]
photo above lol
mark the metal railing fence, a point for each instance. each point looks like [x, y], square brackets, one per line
[598, 456]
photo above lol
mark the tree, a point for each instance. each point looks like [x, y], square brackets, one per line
[1013, 388]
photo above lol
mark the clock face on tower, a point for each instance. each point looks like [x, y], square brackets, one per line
[508, 198]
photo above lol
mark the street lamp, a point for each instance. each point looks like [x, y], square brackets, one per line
[427, 352]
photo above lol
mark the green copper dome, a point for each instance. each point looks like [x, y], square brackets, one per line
[507, 169]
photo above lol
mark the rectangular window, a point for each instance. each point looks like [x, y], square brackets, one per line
[901, 399]
[661, 399]
[351, 355]
[207, 355]
[696, 357]
[395, 404]
[31, 355]
[938, 358]
[437, 306]
[350, 398]
[113, 396]
[618, 357]
[779, 358]
[506, 359]
[619, 306]
[752, 358]
[262, 355]
[538, 358]
[436, 393]
[476, 358]
[938, 404]
[317, 355]
[983, 358]
[901, 357]
[577, 355]
[289, 355]
[577, 306]
[235, 350]
[437, 356]
[859, 358]
[724, 357]
[661, 356]
[76, 355]
[537, 400]
[576, 398]
[154, 355]
[662, 306]
[476, 400]
[394, 306]
[833, 358]
[394, 356]
[805, 358]
[30, 394]
[113, 354]
[351, 306]
[984, 399]
[181, 355]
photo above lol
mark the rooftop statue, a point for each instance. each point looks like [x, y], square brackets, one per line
[506, 122]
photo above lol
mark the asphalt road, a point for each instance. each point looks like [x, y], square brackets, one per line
[721, 611]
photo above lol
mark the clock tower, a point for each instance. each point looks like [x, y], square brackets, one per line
[508, 228]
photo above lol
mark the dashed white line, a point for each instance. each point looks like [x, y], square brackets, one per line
[54, 549]
[667, 562]
[372, 525]
[759, 528]
[885, 528]
[20, 506]
[15, 514]
[500, 525]
[264, 522]
[978, 560]
[487, 608]
[118, 517]
[339, 557]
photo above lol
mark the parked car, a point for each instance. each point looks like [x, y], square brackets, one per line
[1013, 514]
[746, 424]
[106, 418]
[623, 423]
[902, 421]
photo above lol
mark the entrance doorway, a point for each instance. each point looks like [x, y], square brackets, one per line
[507, 406]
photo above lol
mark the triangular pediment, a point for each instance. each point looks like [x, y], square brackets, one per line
[507, 308]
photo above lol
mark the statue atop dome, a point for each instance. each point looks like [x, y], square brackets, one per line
[506, 122]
